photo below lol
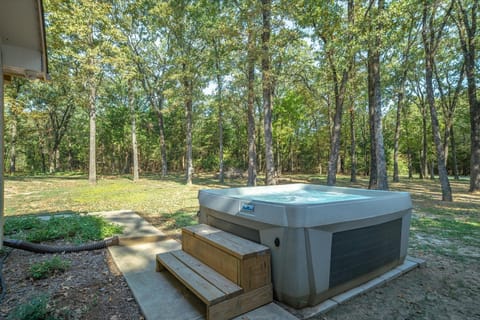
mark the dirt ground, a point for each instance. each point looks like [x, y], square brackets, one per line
[92, 288]
[445, 289]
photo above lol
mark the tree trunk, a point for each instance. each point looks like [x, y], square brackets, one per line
[396, 141]
[454, 154]
[163, 146]
[467, 31]
[13, 144]
[353, 146]
[432, 170]
[410, 164]
[428, 36]
[279, 159]
[220, 125]
[371, 119]
[188, 87]
[382, 178]
[400, 99]
[134, 136]
[270, 178]
[92, 168]
[340, 87]
[54, 158]
[381, 163]
[409, 150]
[252, 152]
[156, 102]
[424, 156]
[336, 136]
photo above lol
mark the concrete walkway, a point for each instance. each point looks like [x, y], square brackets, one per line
[161, 297]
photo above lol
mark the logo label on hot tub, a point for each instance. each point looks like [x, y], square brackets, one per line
[248, 207]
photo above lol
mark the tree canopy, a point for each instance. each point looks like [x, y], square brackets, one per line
[249, 87]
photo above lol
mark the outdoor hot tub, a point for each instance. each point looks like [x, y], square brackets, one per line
[323, 240]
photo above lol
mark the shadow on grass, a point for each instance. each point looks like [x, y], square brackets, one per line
[202, 179]
[172, 221]
[60, 176]
[74, 227]
[36, 214]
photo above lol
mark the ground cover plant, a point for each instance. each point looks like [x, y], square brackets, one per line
[445, 234]
[75, 228]
[42, 270]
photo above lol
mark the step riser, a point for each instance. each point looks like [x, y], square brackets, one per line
[218, 260]
[231, 275]
[250, 270]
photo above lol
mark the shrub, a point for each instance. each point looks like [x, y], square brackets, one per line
[37, 309]
[45, 269]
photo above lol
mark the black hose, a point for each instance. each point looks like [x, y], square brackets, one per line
[42, 248]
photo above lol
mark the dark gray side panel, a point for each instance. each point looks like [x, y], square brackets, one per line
[360, 251]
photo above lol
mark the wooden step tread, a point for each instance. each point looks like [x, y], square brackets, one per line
[208, 285]
[234, 245]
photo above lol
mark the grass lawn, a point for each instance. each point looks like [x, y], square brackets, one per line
[451, 229]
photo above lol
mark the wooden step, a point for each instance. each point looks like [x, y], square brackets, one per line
[204, 282]
[231, 275]
[242, 261]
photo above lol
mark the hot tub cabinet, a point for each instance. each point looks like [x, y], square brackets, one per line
[323, 240]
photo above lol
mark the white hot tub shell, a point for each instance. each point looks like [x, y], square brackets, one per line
[323, 240]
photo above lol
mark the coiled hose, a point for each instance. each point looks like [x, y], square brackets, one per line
[42, 248]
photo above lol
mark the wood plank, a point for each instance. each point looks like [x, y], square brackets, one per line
[255, 272]
[240, 304]
[216, 279]
[207, 292]
[237, 246]
[214, 257]
[202, 229]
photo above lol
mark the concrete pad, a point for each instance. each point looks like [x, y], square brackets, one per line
[304, 313]
[406, 266]
[159, 295]
[374, 283]
[267, 312]
[135, 228]
[347, 295]
[421, 263]
[162, 297]
[309, 312]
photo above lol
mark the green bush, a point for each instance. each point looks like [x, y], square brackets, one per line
[37, 309]
[45, 269]
[18, 224]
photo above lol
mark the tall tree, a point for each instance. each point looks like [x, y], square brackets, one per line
[186, 28]
[375, 101]
[133, 114]
[87, 41]
[431, 35]
[267, 84]
[144, 31]
[466, 15]
[335, 28]
[405, 66]
[251, 57]
[449, 95]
